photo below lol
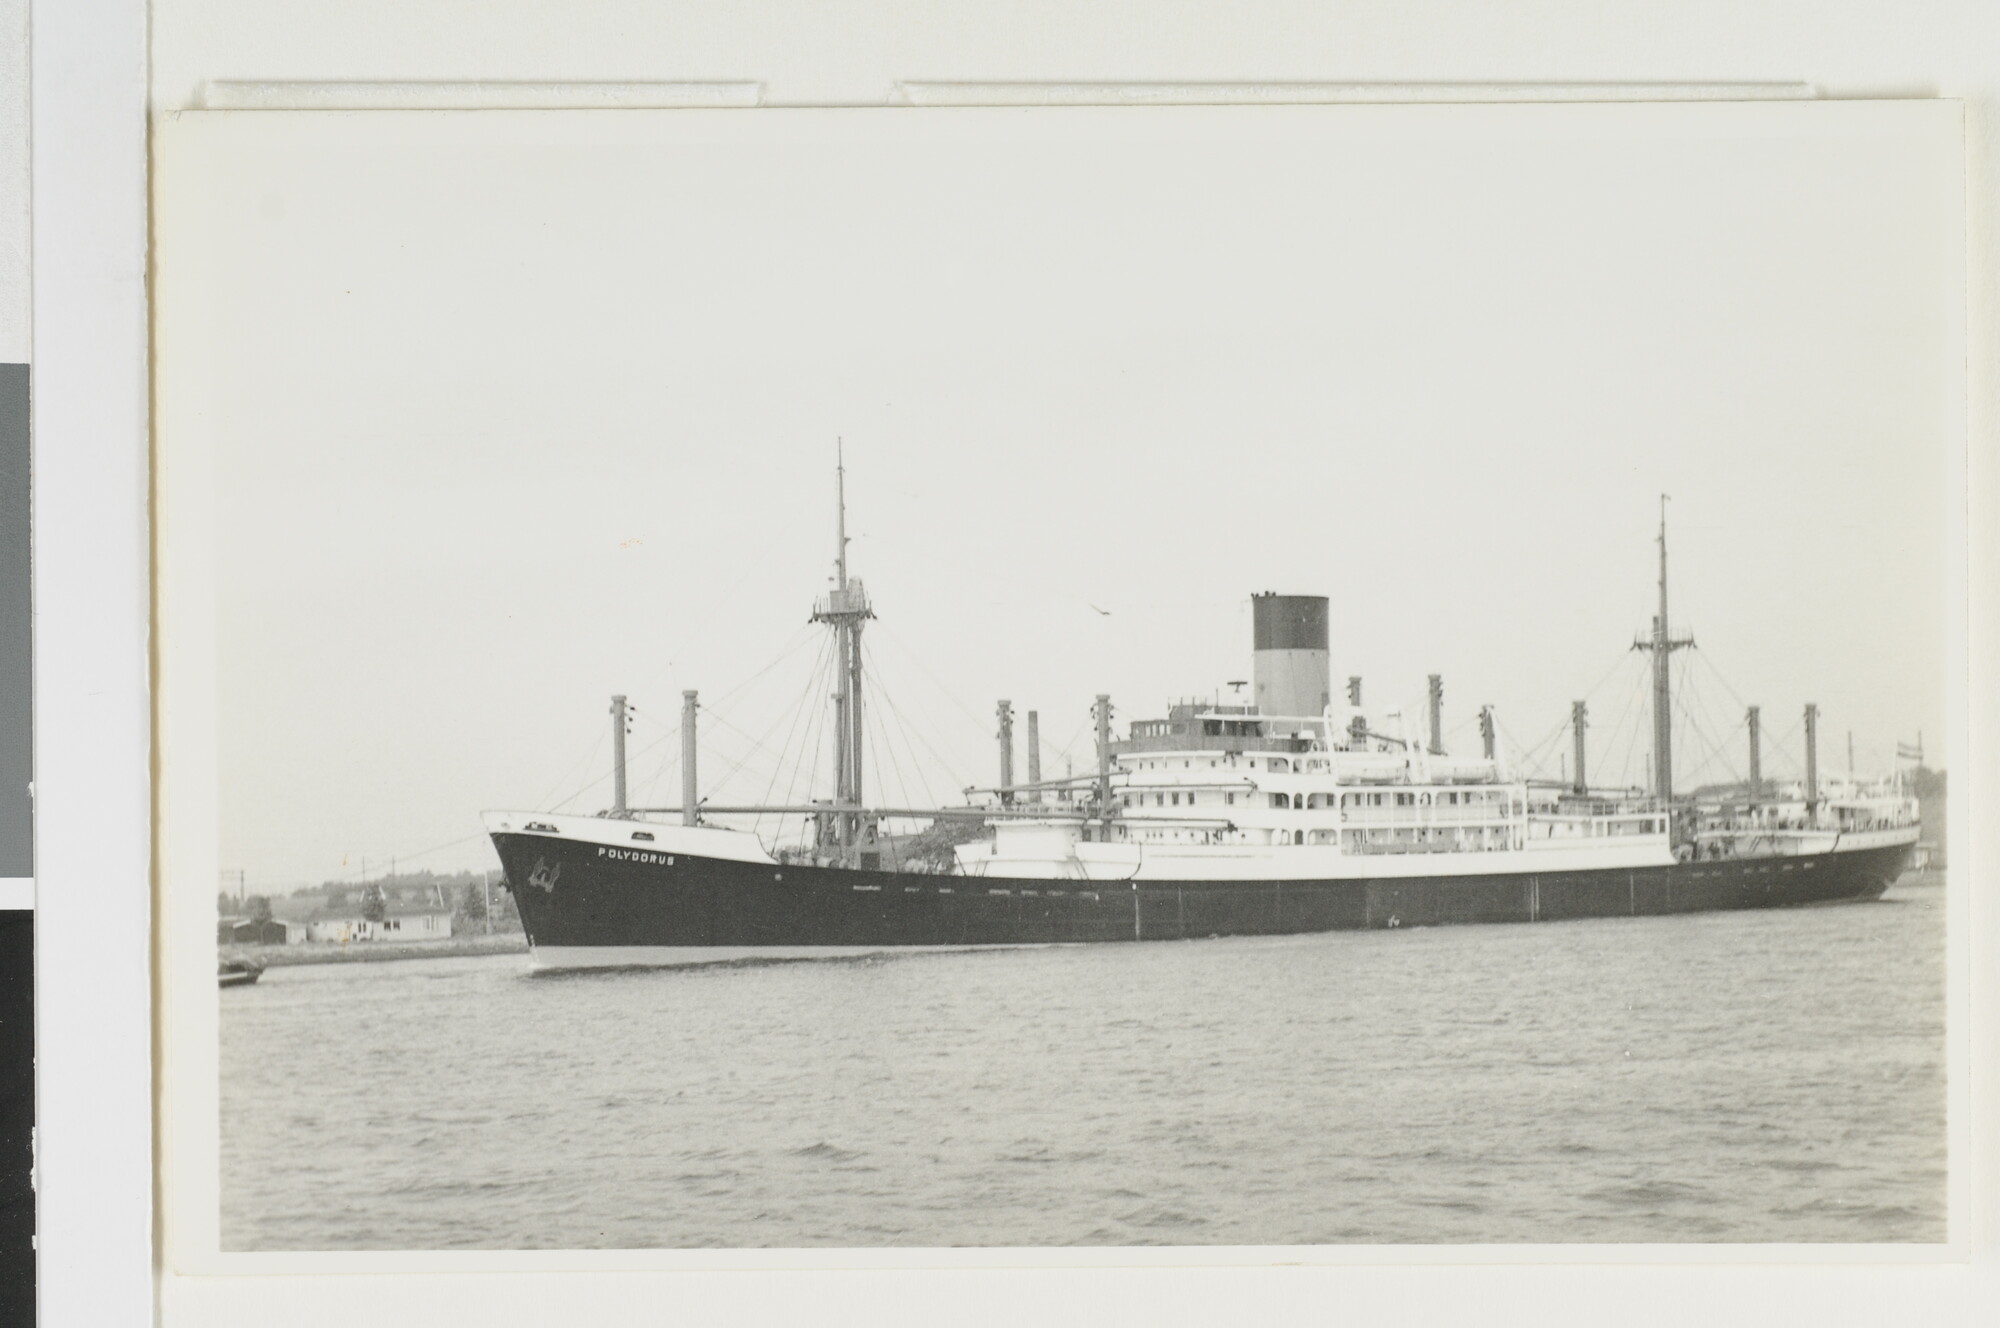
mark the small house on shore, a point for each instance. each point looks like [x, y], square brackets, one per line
[411, 911]
[400, 923]
[258, 931]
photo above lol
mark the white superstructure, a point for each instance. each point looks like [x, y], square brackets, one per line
[1216, 792]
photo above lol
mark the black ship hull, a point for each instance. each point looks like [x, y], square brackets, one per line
[579, 903]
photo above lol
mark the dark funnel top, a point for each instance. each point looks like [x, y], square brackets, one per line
[1289, 622]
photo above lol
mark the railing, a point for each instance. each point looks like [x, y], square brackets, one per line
[1596, 827]
[1212, 705]
[1496, 814]
[1389, 847]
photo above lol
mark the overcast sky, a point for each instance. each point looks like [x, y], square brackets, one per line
[510, 414]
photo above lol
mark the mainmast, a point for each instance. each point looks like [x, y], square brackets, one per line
[1661, 646]
[845, 609]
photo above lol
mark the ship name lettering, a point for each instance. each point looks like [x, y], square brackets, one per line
[630, 855]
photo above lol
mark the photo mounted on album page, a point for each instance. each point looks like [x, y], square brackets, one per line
[1230, 683]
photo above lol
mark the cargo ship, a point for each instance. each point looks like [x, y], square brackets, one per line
[1276, 812]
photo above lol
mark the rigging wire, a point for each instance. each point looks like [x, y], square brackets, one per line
[978, 721]
[361, 878]
[1631, 711]
[1537, 755]
[943, 764]
[1681, 727]
[1633, 705]
[1710, 665]
[1531, 759]
[803, 637]
[822, 722]
[1781, 748]
[1624, 713]
[887, 841]
[1715, 752]
[1725, 732]
[1624, 657]
[800, 709]
[746, 761]
[571, 772]
[923, 782]
[902, 727]
[758, 746]
[1068, 750]
[1636, 711]
[875, 744]
[608, 774]
[901, 704]
[657, 778]
[761, 741]
[820, 726]
[896, 708]
[1701, 727]
[665, 737]
[800, 639]
[882, 742]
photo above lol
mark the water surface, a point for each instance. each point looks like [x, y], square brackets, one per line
[1766, 1076]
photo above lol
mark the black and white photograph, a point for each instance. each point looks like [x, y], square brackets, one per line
[1323, 677]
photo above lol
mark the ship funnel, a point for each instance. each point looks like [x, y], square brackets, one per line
[1290, 667]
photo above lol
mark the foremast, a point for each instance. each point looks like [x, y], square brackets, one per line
[1661, 646]
[845, 609]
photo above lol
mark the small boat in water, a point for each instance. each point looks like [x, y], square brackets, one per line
[239, 972]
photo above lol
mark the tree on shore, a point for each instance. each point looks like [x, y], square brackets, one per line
[1930, 787]
[934, 849]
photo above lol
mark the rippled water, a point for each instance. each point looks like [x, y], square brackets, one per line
[1773, 1076]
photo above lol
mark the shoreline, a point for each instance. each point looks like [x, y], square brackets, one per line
[365, 952]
